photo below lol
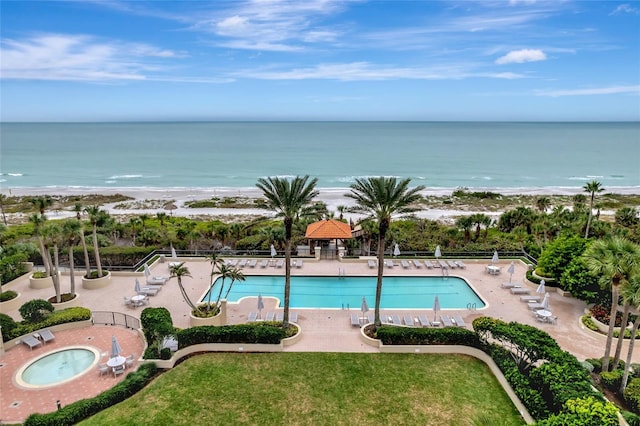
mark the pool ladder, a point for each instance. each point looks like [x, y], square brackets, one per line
[341, 273]
[472, 306]
[445, 272]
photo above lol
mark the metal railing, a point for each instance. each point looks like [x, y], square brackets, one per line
[115, 318]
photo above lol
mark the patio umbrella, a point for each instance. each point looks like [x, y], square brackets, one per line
[437, 253]
[495, 258]
[396, 250]
[137, 287]
[260, 305]
[511, 270]
[436, 307]
[173, 253]
[147, 271]
[545, 302]
[115, 347]
[364, 307]
[541, 289]
[273, 251]
[171, 207]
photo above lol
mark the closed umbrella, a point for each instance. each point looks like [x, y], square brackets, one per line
[173, 253]
[545, 302]
[541, 289]
[511, 270]
[436, 307]
[437, 254]
[396, 250]
[147, 271]
[273, 251]
[115, 347]
[364, 307]
[137, 287]
[495, 258]
[260, 305]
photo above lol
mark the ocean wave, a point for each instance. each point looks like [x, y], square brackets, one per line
[12, 174]
[351, 179]
[115, 177]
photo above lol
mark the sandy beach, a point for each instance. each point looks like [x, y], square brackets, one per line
[333, 197]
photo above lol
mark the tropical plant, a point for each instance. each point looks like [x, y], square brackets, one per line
[96, 215]
[627, 217]
[615, 260]
[288, 197]
[38, 223]
[592, 188]
[179, 271]
[52, 233]
[71, 230]
[3, 197]
[381, 198]
[41, 203]
[543, 203]
[631, 293]
[79, 209]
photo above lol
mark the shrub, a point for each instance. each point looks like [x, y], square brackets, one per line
[39, 275]
[8, 295]
[587, 366]
[632, 395]
[58, 317]
[611, 379]
[632, 419]
[267, 333]
[588, 322]
[35, 310]
[80, 410]
[8, 325]
[390, 335]
[584, 412]
[597, 364]
[156, 325]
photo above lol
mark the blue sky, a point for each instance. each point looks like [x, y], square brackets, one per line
[320, 60]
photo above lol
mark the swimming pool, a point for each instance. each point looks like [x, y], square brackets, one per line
[57, 367]
[343, 292]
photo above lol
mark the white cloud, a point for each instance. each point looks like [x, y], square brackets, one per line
[521, 56]
[78, 58]
[625, 8]
[613, 90]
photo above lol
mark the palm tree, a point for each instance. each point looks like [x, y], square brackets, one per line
[236, 275]
[71, 230]
[591, 187]
[79, 209]
[381, 198]
[2, 200]
[616, 260]
[95, 216]
[41, 203]
[178, 271]
[216, 262]
[633, 295]
[51, 231]
[38, 223]
[543, 203]
[465, 223]
[288, 197]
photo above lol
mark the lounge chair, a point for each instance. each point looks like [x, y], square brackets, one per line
[388, 263]
[130, 360]
[270, 316]
[446, 321]
[371, 263]
[293, 263]
[264, 263]
[534, 306]
[417, 264]
[510, 285]
[128, 302]
[242, 263]
[355, 320]
[148, 291]
[384, 319]
[408, 320]
[452, 264]
[395, 319]
[443, 264]
[279, 263]
[520, 290]
[436, 264]
[428, 264]
[47, 336]
[103, 369]
[424, 321]
[299, 264]
[293, 317]
[252, 263]
[231, 262]
[460, 264]
[459, 321]
[118, 370]
[404, 264]
[371, 318]
[253, 316]
[530, 299]
[31, 341]
[157, 280]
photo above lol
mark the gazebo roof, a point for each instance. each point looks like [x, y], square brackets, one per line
[328, 230]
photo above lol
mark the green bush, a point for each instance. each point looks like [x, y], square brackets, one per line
[8, 295]
[8, 325]
[58, 317]
[611, 379]
[390, 335]
[266, 333]
[35, 310]
[156, 325]
[632, 419]
[584, 412]
[597, 364]
[632, 395]
[587, 366]
[80, 410]
[12, 266]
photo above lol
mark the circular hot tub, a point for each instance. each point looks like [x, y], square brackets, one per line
[57, 367]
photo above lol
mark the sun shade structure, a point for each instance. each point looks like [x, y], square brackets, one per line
[330, 229]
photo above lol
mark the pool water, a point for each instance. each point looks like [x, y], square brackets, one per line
[58, 367]
[343, 292]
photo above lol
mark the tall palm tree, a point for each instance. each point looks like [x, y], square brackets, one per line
[543, 203]
[224, 272]
[633, 295]
[288, 197]
[51, 231]
[95, 216]
[616, 260]
[178, 271]
[41, 203]
[79, 209]
[592, 188]
[71, 230]
[2, 200]
[236, 275]
[38, 223]
[216, 262]
[380, 198]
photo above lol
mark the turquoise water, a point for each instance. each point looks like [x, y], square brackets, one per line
[343, 292]
[236, 154]
[58, 366]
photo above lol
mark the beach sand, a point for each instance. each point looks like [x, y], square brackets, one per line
[332, 197]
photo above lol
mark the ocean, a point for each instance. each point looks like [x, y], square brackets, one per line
[439, 155]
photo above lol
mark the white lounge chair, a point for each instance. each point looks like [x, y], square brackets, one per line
[404, 264]
[534, 306]
[446, 321]
[395, 319]
[460, 264]
[510, 285]
[459, 321]
[293, 317]
[242, 263]
[270, 316]
[31, 341]
[231, 262]
[520, 290]
[443, 264]
[46, 336]
[451, 264]
[388, 263]
[371, 263]
[148, 291]
[429, 264]
[253, 316]
[264, 263]
[424, 321]
[417, 264]
[252, 263]
[530, 299]
[280, 263]
[408, 320]
[355, 320]
[299, 263]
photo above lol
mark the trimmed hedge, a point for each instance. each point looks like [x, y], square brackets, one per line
[390, 335]
[64, 316]
[85, 408]
[265, 333]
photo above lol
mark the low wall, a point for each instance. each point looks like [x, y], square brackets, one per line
[11, 305]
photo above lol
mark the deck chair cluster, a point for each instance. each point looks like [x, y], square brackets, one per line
[407, 320]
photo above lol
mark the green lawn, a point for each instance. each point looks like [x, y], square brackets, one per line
[319, 388]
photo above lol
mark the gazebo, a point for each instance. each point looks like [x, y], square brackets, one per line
[328, 236]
